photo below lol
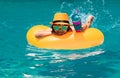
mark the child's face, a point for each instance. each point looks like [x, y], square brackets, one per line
[60, 29]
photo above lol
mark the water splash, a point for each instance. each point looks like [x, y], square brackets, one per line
[75, 56]
[37, 76]
[62, 5]
[55, 56]
[87, 8]
[66, 7]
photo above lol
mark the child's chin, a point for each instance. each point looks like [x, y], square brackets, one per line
[60, 33]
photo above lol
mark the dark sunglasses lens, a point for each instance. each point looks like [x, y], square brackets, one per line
[56, 28]
[64, 28]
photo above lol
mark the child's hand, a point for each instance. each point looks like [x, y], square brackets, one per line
[84, 26]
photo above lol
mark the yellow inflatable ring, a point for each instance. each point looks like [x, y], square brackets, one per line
[71, 40]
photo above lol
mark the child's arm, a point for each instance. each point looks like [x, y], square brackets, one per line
[89, 22]
[44, 33]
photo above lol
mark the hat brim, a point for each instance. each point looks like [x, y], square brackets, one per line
[60, 22]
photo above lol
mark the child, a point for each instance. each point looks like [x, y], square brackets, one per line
[61, 25]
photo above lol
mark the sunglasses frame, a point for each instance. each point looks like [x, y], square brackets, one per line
[60, 26]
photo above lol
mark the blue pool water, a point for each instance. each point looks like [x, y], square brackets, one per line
[20, 60]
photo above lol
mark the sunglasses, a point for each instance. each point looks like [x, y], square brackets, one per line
[57, 27]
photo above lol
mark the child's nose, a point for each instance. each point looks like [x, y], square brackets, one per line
[60, 28]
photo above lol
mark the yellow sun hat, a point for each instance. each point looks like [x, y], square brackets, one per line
[61, 17]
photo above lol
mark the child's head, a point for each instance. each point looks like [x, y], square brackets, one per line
[60, 23]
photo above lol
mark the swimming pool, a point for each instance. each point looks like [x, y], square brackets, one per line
[20, 60]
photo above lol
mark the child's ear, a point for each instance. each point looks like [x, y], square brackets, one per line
[51, 22]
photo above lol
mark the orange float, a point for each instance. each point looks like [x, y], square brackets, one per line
[71, 40]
